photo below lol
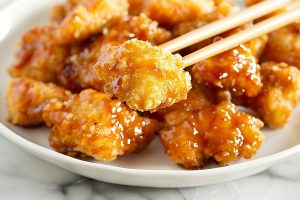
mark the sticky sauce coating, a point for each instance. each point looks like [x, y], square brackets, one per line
[197, 98]
[37, 55]
[284, 46]
[219, 132]
[236, 70]
[279, 95]
[78, 72]
[92, 123]
[26, 99]
[126, 89]
[90, 17]
[171, 12]
[143, 76]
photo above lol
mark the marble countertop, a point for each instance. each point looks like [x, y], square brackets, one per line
[23, 176]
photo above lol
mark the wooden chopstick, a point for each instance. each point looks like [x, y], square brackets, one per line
[232, 41]
[223, 25]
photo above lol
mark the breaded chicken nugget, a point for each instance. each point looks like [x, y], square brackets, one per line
[26, 99]
[236, 70]
[279, 95]
[139, 27]
[37, 55]
[284, 46]
[171, 12]
[78, 72]
[136, 6]
[219, 132]
[257, 46]
[143, 76]
[57, 13]
[93, 124]
[90, 18]
[197, 98]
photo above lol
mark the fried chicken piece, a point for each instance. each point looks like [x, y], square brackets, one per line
[26, 99]
[92, 123]
[284, 46]
[78, 72]
[236, 70]
[57, 13]
[143, 76]
[185, 27]
[70, 4]
[218, 132]
[296, 26]
[37, 55]
[90, 18]
[198, 97]
[221, 9]
[279, 95]
[136, 6]
[258, 45]
[171, 12]
[139, 27]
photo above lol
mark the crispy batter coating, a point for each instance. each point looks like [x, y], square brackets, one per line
[143, 76]
[90, 18]
[279, 95]
[37, 55]
[220, 132]
[57, 13]
[140, 27]
[258, 45]
[221, 9]
[198, 97]
[236, 69]
[26, 99]
[136, 6]
[185, 27]
[171, 12]
[92, 123]
[284, 46]
[196, 100]
[78, 72]
[70, 4]
[296, 26]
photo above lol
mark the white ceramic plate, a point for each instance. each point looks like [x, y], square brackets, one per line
[150, 168]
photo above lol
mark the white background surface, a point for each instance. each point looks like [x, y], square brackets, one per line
[22, 176]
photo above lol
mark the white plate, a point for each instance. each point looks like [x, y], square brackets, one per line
[150, 168]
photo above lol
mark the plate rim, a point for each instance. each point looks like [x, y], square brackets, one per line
[30, 146]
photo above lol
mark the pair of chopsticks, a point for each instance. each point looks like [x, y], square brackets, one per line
[228, 23]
